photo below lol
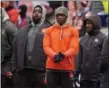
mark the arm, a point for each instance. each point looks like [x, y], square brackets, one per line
[78, 62]
[6, 50]
[104, 58]
[79, 59]
[74, 44]
[10, 31]
[14, 55]
[46, 46]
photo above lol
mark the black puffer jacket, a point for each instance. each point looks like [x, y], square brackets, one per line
[104, 65]
[22, 43]
[8, 31]
[90, 51]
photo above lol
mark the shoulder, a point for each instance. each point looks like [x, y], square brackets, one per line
[46, 24]
[101, 36]
[10, 27]
[48, 30]
[74, 31]
[83, 38]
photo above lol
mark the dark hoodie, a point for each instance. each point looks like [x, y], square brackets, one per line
[8, 29]
[104, 65]
[28, 50]
[95, 21]
[90, 50]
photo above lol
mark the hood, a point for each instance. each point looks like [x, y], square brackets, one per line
[43, 14]
[4, 15]
[62, 10]
[95, 19]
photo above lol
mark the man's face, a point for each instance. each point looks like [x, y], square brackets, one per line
[61, 19]
[89, 26]
[37, 15]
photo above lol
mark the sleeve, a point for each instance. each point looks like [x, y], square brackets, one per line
[79, 59]
[46, 45]
[7, 50]
[14, 54]
[74, 44]
[10, 33]
[104, 58]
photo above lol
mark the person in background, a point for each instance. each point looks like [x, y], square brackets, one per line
[28, 57]
[8, 30]
[87, 61]
[104, 65]
[23, 18]
[13, 14]
[61, 44]
[83, 7]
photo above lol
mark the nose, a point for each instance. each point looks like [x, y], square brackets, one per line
[60, 17]
[87, 25]
[36, 13]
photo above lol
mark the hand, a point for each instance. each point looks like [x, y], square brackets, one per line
[76, 76]
[59, 57]
[9, 74]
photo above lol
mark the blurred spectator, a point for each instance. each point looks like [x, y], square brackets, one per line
[104, 65]
[23, 20]
[13, 14]
[5, 4]
[8, 30]
[56, 4]
[28, 58]
[77, 18]
[90, 51]
[28, 3]
[72, 6]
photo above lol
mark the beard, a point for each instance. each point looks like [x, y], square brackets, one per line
[36, 21]
[61, 22]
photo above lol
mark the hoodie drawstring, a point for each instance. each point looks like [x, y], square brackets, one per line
[61, 33]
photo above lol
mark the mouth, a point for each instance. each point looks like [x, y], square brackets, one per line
[60, 19]
[35, 17]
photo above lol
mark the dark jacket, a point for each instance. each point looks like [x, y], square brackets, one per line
[90, 51]
[104, 65]
[8, 31]
[19, 47]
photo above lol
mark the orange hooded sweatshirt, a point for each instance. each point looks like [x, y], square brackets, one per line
[62, 39]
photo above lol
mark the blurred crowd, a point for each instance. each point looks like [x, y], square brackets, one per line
[77, 10]
[35, 30]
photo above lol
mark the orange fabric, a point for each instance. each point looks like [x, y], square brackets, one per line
[63, 39]
[13, 15]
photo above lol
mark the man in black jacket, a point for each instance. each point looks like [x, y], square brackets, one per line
[90, 51]
[28, 59]
[8, 30]
[104, 65]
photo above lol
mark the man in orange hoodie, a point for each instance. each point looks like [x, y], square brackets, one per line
[61, 44]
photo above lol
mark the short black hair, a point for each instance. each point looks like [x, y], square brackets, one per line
[9, 8]
[38, 7]
[23, 8]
